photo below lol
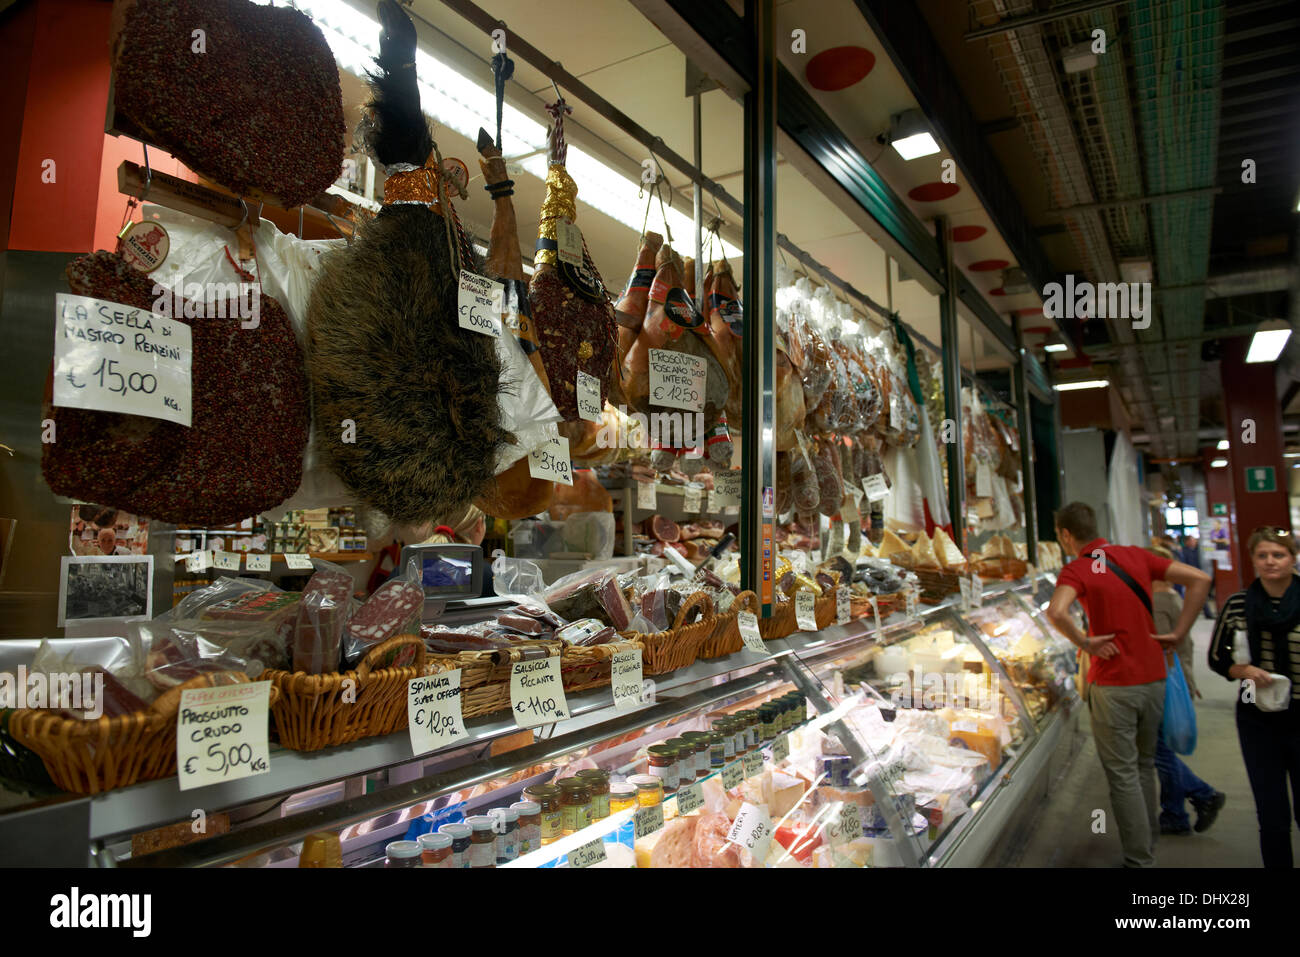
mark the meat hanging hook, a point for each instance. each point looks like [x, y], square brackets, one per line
[503, 68]
[148, 174]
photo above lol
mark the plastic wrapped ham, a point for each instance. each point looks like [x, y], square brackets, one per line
[590, 594]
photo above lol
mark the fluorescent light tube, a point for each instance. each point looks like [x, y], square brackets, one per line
[1056, 347]
[1268, 341]
[1223, 445]
[915, 146]
[1082, 384]
[1219, 463]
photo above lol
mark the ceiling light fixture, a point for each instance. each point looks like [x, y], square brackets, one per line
[1055, 345]
[1223, 445]
[910, 135]
[1078, 58]
[1219, 464]
[1015, 281]
[1268, 341]
[1081, 384]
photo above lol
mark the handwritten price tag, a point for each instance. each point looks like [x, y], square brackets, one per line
[842, 606]
[478, 301]
[593, 852]
[537, 692]
[733, 775]
[726, 485]
[983, 481]
[964, 584]
[876, 487]
[646, 495]
[677, 380]
[550, 461]
[589, 405]
[221, 734]
[434, 712]
[298, 561]
[847, 827]
[691, 499]
[753, 763]
[649, 819]
[849, 508]
[875, 611]
[257, 563]
[569, 239]
[911, 599]
[198, 561]
[977, 591]
[227, 560]
[781, 748]
[690, 798]
[749, 634]
[118, 358]
[752, 829]
[805, 611]
[625, 674]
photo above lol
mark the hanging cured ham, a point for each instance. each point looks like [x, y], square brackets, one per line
[726, 324]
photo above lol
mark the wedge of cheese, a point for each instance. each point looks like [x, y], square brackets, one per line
[923, 552]
[891, 544]
[673, 846]
[946, 551]
[1022, 551]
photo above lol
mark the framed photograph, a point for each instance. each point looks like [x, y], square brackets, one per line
[96, 587]
[95, 530]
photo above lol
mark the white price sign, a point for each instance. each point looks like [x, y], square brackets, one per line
[434, 713]
[478, 302]
[648, 820]
[298, 561]
[569, 239]
[876, 487]
[198, 561]
[537, 692]
[964, 584]
[805, 610]
[753, 830]
[691, 499]
[589, 405]
[842, 607]
[677, 380]
[550, 461]
[118, 358]
[749, 633]
[221, 734]
[593, 852]
[726, 486]
[846, 827]
[849, 507]
[753, 763]
[646, 495]
[875, 611]
[690, 798]
[227, 560]
[976, 591]
[733, 775]
[625, 679]
[257, 563]
[911, 599]
[983, 481]
[781, 748]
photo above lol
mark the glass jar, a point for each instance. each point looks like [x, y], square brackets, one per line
[530, 826]
[598, 780]
[548, 797]
[435, 849]
[321, 850]
[717, 751]
[699, 741]
[723, 727]
[767, 722]
[622, 796]
[786, 704]
[402, 854]
[685, 760]
[506, 827]
[460, 842]
[575, 804]
[649, 789]
[482, 841]
[749, 720]
[663, 765]
[736, 728]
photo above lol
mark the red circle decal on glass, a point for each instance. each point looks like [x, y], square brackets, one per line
[933, 192]
[964, 234]
[988, 265]
[839, 68]
[997, 292]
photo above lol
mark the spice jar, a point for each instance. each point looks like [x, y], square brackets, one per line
[717, 751]
[321, 850]
[548, 797]
[649, 789]
[663, 765]
[685, 760]
[749, 718]
[402, 854]
[506, 827]
[460, 842]
[622, 796]
[435, 850]
[722, 726]
[575, 804]
[530, 826]
[482, 841]
[598, 781]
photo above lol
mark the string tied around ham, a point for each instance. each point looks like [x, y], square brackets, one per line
[559, 148]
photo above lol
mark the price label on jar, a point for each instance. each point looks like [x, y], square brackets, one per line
[749, 634]
[226, 560]
[298, 561]
[805, 610]
[569, 239]
[478, 302]
[646, 495]
[589, 405]
[677, 380]
[197, 561]
[875, 487]
[733, 775]
[625, 679]
[752, 830]
[753, 763]
[690, 798]
[221, 734]
[648, 820]
[846, 827]
[117, 358]
[781, 748]
[433, 711]
[537, 692]
[691, 499]
[593, 852]
[550, 461]
[842, 606]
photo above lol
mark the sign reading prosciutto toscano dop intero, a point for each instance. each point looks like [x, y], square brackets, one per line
[677, 380]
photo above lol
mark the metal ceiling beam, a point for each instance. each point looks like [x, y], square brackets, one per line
[1047, 16]
[1137, 200]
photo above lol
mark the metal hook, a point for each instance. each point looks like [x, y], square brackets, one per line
[148, 174]
[244, 206]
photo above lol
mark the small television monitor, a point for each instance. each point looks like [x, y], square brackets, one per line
[447, 571]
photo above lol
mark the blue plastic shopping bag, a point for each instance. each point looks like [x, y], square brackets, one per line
[1179, 727]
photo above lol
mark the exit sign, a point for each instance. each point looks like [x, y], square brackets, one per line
[1261, 478]
[1220, 508]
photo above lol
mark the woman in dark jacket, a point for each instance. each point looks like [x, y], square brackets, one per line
[1257, 637]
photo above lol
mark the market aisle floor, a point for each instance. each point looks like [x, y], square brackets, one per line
[1062, 836]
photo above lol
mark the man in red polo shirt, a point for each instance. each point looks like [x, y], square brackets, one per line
[1126, 696]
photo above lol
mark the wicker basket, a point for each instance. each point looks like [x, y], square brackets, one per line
[485, 675]
[780, 625]
[90, 757]
[677, 647]
[584, 668]
[323, 711]
[726, 635]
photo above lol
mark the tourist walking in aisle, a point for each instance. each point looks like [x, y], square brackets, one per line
[1257, 642]
[1178, 784]
[1126, 674]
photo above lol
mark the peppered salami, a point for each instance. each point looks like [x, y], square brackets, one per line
[393, 609]
[243, 451]
[321, 616]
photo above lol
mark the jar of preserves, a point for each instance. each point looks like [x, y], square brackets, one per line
[768, 723]
[663, 765]
[598, 780]
[402, 854]
[685, 760]
[506, 827]
[575, 804]
[547, 797]
[460, 841]
[699, 741]
[482, 841]
[622, 796]
[530, 826]
[736, 728]
[435, 849]
[649, 789]
[717, 751]
[722, 726]
[321, 850]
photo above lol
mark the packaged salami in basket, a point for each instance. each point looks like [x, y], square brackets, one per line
[394, 609]
[322, 614]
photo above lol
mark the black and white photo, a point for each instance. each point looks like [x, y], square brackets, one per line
[105, 586]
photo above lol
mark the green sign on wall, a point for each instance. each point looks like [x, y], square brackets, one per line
[1261, 478]
[1220, 508]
